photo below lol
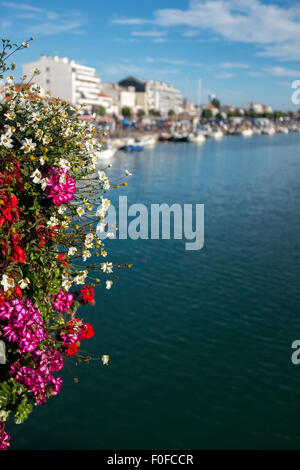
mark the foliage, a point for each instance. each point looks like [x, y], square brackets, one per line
[127, 112]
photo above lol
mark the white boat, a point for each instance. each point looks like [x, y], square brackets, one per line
[147, 140]
[269, 131]
[197, 138]
[246, 132]
[216, 135]
[283, 130]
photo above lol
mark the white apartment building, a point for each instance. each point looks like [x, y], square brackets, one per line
[155, 95]
[63, 78]
[163, 97]
[121, 96]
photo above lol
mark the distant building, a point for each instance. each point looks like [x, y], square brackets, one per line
[155, 95]
[267, 108]
[212, 108]
[63, 78]
[121, 96]
[188, 107]
[227, 108]
[107, 102]
[256, 107]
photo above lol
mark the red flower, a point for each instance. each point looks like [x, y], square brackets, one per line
[87, 331]
[18, 291]
[61, 257]
[2, 299]
[87, 294]
[71, 350]
[19, 254]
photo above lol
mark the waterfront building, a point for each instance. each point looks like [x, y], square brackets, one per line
[121, 96]
[65, 79]
[156, 95]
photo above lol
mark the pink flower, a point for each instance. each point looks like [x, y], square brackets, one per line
[24, 324]
[4, 437]
[60, 186]
[39, 379]
[62, 301]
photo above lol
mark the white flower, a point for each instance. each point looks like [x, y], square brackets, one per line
[89, 237]
[6, 141]
[39, 133]
[110, 235]
[62, 209]
[106, 267]
[36, 117]
[105, 359]
[52, 222]
[66, 284]
[80, 279]
[23, 283]
[101, 226]
[64, 224]
[127, 173]
[42, 160]
[37, 176]
[64, 164]
[102, 175]
[109, 284]
[46, 140]
[72, 250]
[44, 183]
[62, 178]
[80, 211]
[25, 44]
[10, 115]
[7, 283]
[28, 145]
[86, 254]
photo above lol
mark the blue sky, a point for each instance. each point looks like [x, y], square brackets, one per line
[241, 49]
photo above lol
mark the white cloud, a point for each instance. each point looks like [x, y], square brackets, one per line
[150, 34]
[226, 75]
[274, 28]
[283, 72]
[234, 65]
[42, 21]
[130, 21]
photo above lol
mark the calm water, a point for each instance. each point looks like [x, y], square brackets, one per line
[200, 342]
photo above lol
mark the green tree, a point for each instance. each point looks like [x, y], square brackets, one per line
[215, 102]
[101, 110]
[141, 113]
[171, 112]
[207, 113]
[219, 116]
[126, 111]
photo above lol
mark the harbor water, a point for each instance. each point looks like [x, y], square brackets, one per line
[199, 341]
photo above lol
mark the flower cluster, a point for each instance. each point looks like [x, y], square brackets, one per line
[4, 437]
[39, 379]
[59, 185]
[24, 325]
[74, 332]
[52, 205]
[87, 294]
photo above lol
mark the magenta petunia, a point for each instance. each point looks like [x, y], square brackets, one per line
[60, 185]
[24, 324]
[39, 379]
[62, 301]
[4, 437]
